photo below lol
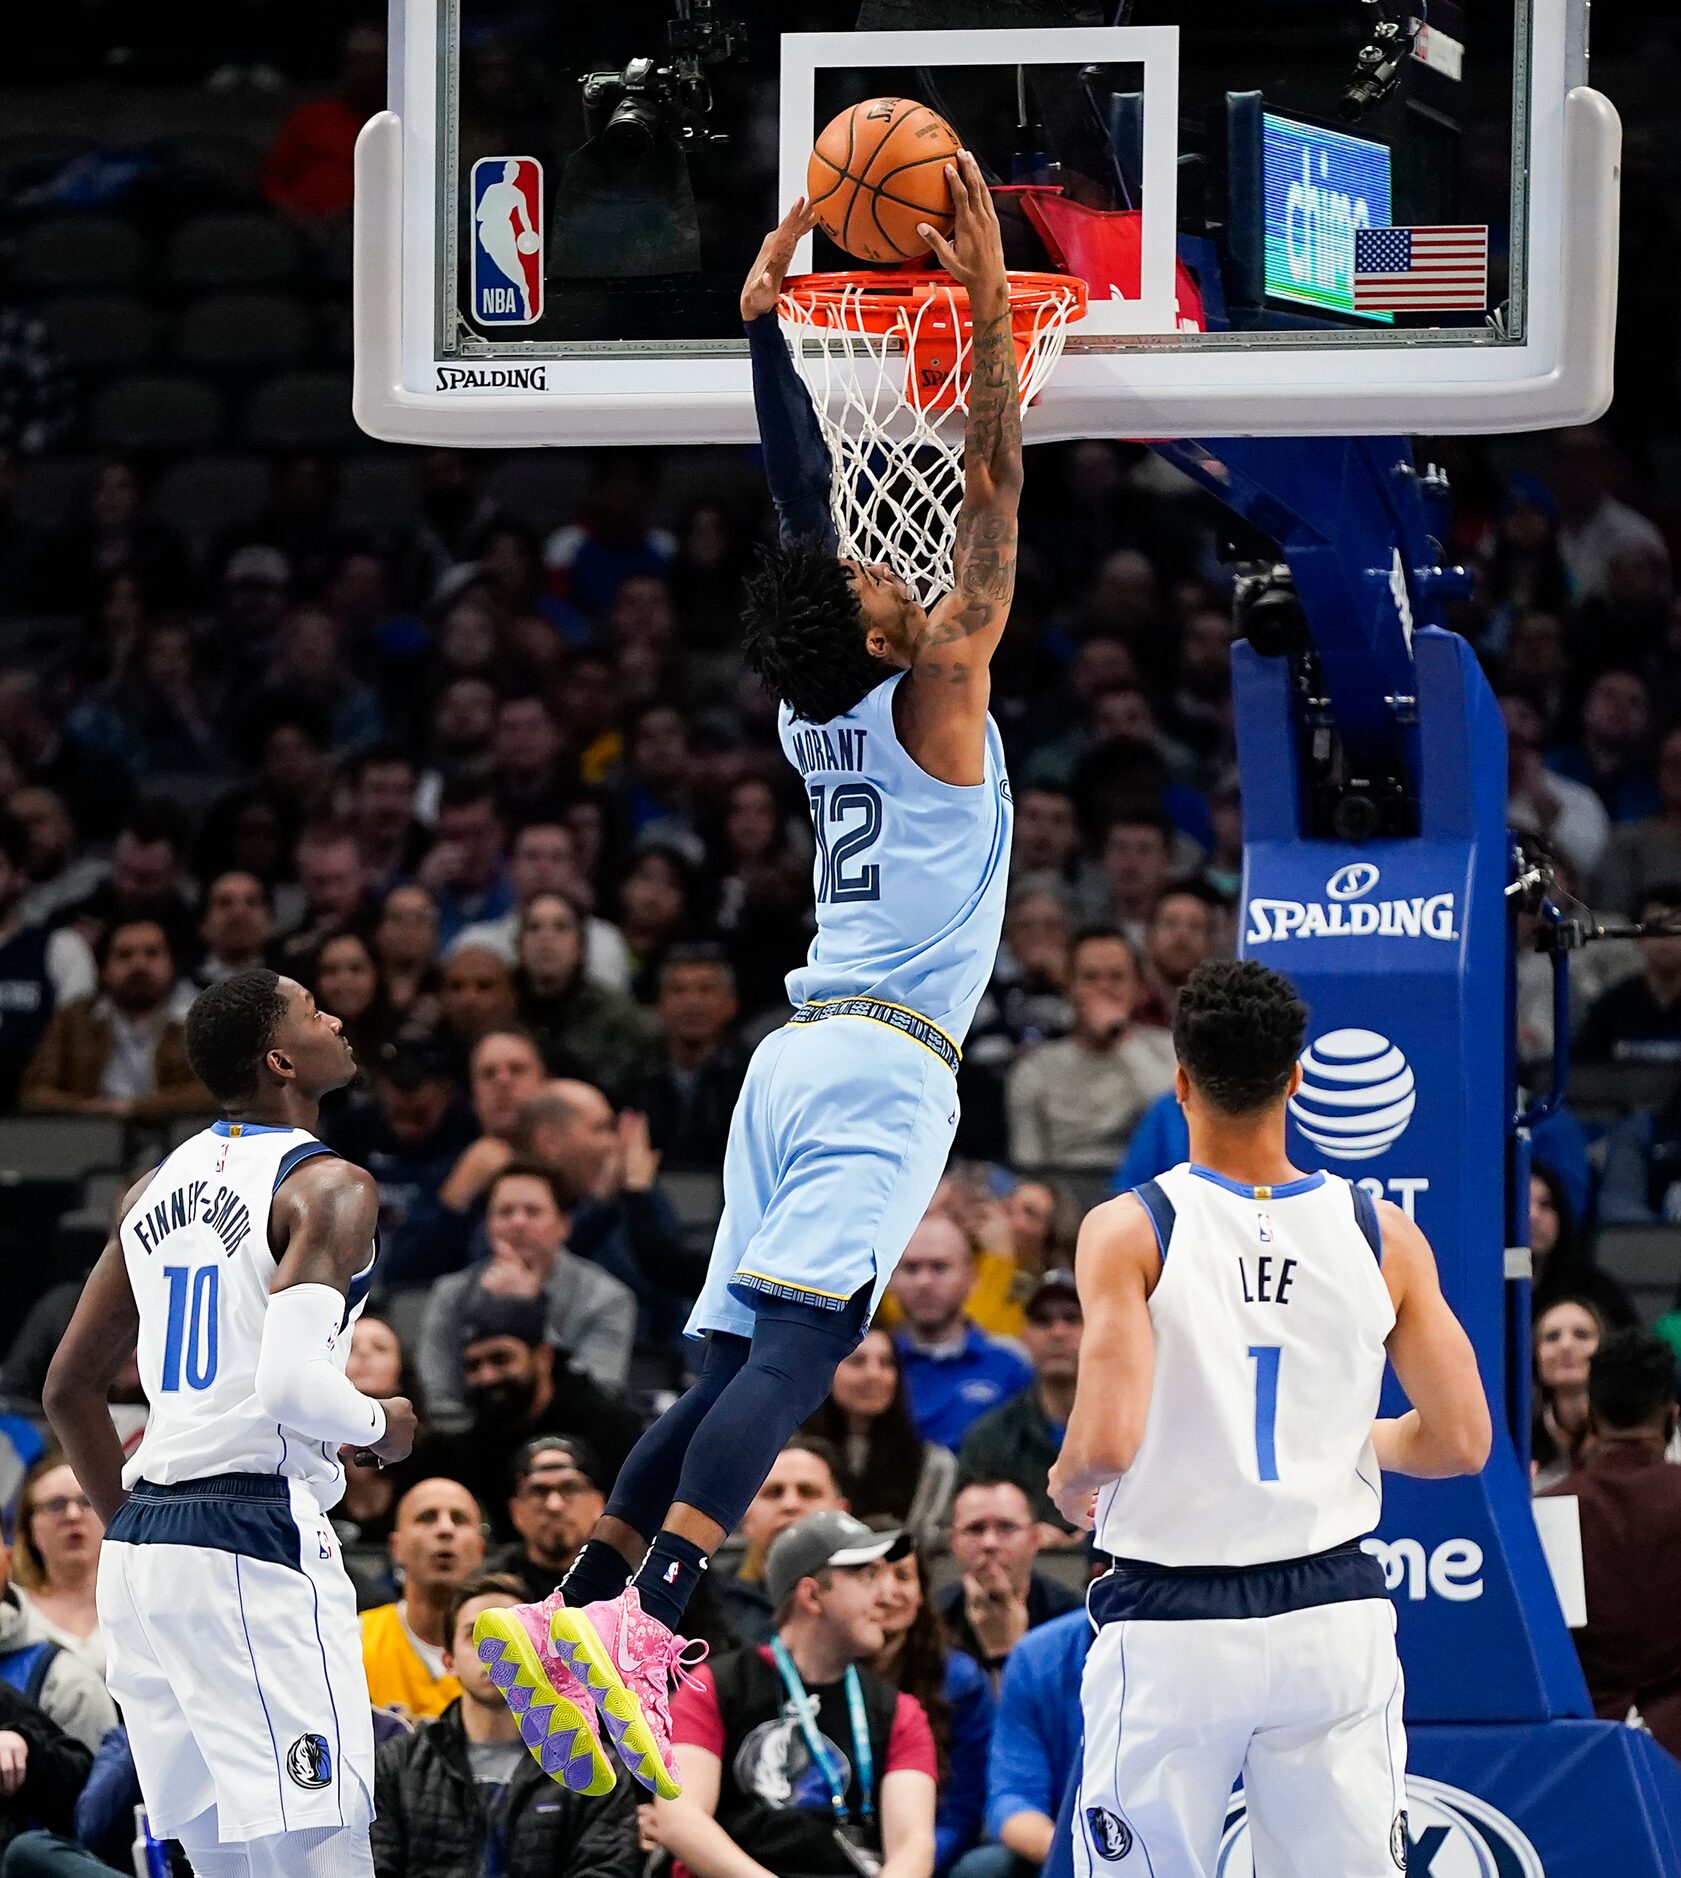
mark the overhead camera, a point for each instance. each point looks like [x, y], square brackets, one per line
[1268, 612]
[1395, 27]
[634, 110]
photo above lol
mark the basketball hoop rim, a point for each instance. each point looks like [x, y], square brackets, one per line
[877, 303]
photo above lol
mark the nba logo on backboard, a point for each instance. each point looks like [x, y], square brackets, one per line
[507, 241]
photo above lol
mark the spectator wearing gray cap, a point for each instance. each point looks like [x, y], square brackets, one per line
[1021, 1438]
[796, 1755]
[556, 1499]
[519, 1386]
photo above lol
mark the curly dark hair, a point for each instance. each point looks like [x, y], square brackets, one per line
[802, 631]
[1238, 1032]
[1631, 1380]
[230, 1028]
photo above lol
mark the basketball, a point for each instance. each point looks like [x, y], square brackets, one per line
[877, 171]
[528, 243]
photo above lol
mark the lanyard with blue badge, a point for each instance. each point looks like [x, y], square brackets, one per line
[852, 1842]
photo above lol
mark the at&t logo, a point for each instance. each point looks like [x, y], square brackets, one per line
[1448, 1833]
[1357, 1095]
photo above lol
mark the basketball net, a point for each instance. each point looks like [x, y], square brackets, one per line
[886, 359]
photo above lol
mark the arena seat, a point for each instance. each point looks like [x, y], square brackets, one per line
[207, 495]
[62, 251]
[52, 487]
[697, 1199]
[539, 487]
[156, 411]
[59, 1147]
[99, 332]
[232, 248]
[378, 491]
[245, 329]
[301, 411]
[1646, 1262]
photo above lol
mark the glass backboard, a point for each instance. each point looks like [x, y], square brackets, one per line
[1331, 216]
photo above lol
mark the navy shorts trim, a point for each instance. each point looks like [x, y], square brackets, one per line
[249, 1515]
[1133, 1588]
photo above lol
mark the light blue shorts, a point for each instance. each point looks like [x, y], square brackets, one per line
[838, 1141]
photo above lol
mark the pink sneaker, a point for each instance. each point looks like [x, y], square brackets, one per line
[626, 1660]
[556, 1713]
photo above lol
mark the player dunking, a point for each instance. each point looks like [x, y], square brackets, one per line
[239, 1266]
[1237, 1317]
[847, 1114]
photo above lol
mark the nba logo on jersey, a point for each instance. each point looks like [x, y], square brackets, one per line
[507, 241]
[1263, 1228]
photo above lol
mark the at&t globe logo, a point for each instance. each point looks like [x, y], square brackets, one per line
[1448, 1833]
[1357, 1094]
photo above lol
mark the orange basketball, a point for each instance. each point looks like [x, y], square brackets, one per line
[877, 171]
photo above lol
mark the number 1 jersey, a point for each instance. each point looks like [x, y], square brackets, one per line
[1270, 1319]
[910, 873]
[196, 1244]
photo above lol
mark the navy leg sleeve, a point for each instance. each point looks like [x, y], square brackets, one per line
[795, 1351]
[647, 1483]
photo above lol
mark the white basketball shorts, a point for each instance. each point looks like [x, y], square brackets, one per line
[236, 1658]
[1304, 1705]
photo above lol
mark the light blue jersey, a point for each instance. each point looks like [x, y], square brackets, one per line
[910, 872]
[847, 1114]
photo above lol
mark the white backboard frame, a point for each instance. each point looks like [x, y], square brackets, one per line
[1108, 385]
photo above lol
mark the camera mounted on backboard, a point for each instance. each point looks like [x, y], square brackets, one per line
[633, 110]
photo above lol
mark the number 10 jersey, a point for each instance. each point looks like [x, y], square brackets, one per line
[196, 1244]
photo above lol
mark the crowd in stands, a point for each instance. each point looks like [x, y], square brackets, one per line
[477, 762]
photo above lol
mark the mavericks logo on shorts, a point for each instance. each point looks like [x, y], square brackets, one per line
[1109, 1833]
[309, 1761]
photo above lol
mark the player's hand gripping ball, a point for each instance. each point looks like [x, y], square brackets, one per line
[879, 170]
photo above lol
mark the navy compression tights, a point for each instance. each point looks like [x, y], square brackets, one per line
[714, 1446]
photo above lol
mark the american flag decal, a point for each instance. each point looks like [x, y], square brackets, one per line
[1414, 270]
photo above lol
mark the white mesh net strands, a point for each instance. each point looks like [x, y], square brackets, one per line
[886, 360]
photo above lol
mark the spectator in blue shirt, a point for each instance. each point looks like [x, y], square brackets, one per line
[1036, 1738]
[1160, 1141]
[954, 1372]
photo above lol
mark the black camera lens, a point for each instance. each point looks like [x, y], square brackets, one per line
[631, 133]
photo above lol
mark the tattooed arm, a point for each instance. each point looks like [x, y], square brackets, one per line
[942, 707]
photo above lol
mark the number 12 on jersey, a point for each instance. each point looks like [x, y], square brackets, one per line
[847, 822]
[1265, 1358]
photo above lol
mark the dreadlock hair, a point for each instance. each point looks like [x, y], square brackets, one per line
[802, 631]
[230, 1029]
[1237, 1032]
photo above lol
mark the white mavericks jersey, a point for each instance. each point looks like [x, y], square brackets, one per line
[197, 1249]
[910, 872]
[1270, 1318]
